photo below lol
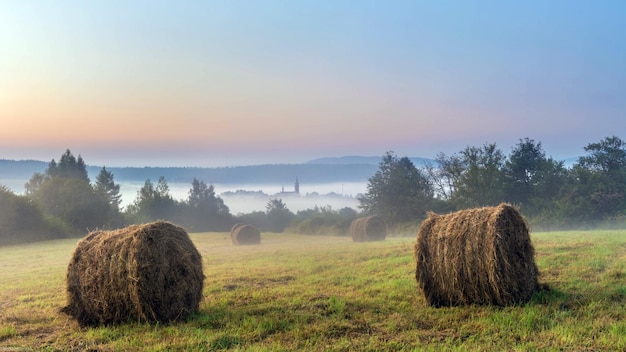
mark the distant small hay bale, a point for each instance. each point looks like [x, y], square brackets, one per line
[371, 228]
[150, 272]
[476, 256]
[245, 234]
[235, 226]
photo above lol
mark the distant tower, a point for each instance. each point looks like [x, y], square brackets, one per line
[297, 186]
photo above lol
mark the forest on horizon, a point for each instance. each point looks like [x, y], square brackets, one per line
[63, 201]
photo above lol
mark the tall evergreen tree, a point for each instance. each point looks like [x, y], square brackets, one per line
[63, 191]
[106, 186]
[68, 167]
[398, 191]
[162, 188]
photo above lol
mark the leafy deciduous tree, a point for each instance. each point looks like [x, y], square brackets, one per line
[597, 188]
[278, 215]
[21, 220]
[75, 202]
[478, 179]
[520, 170]
[154, 203]
[207, 212]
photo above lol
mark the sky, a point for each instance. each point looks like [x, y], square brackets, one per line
[221, 83]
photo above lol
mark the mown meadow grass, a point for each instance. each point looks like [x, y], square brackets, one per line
[325, 293]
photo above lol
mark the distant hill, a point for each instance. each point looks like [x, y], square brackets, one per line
[323, 170]
[346, 160]
[253, 174]
[371, 160]
[20, 169]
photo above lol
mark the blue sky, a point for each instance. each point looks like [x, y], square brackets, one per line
[233, 82]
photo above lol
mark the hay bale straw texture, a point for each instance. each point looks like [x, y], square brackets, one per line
[242, 234]
[150, 272]
[476, 256]
[371, 228]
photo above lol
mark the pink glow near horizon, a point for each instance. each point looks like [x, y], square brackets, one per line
[191, 85]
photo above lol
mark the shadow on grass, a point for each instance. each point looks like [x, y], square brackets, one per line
[547, 295]
[563, 300]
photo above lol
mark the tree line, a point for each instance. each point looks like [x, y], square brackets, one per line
[63, 202]
[590, 193]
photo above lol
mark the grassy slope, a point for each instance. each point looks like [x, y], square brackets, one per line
[326, 293]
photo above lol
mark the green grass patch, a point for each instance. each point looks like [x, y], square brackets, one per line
[326, 293]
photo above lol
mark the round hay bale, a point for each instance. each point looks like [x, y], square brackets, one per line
[150, 272]
[235, 226]
[371, 228]
[245, 234]
[476, 256]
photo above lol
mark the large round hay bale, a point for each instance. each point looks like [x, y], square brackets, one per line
[370, 228]
[245, 234]
[151, 272]
[476, 256]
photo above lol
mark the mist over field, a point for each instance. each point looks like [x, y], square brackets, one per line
[251, 197]
[247, 198]
[334, 183]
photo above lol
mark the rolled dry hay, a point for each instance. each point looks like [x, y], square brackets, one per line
[242, 234]
[476, 256]
[371, 228]
[232, 229]
[151, 272]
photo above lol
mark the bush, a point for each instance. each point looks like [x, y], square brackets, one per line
[323, 221]
[23, 221]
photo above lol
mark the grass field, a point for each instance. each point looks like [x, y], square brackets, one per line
[317, 293]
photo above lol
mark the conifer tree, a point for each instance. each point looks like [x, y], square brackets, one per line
[106, 186]
[398, 191]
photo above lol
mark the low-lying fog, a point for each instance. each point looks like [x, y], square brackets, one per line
[249, 198]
